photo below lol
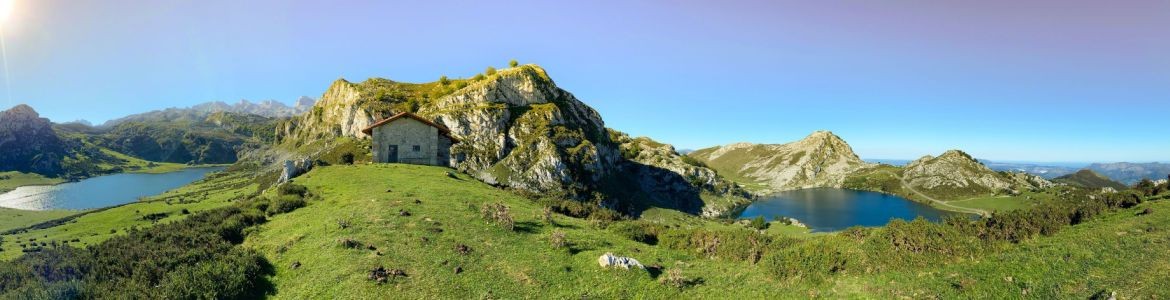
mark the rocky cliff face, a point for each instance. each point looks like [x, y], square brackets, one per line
[955, 175]
[670, 179]
[517, 129]
[28, 143]
[820, 160]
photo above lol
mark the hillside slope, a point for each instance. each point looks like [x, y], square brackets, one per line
[1088, 179]
[821, 159]
[429, 226]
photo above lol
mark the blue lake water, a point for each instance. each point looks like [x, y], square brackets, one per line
[101, 191]
[827, 209]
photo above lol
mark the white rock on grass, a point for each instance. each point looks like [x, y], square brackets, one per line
[609, 260]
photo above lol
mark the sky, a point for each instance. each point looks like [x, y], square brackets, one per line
[1046, 81]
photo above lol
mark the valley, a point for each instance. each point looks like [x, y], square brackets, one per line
[536, 191]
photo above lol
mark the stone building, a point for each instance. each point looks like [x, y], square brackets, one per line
[408, 138]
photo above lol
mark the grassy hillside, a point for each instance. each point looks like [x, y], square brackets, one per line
[500, 263]
[328, 248]
[99, 225]
[15, 218]
[429, 233]
[1088, 179]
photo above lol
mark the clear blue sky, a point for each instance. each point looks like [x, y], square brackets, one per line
[1008, 80]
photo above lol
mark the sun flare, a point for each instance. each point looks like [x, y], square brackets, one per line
[5, 9]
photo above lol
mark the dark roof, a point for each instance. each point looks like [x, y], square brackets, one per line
[442, 129]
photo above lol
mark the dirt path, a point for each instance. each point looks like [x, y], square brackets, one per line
[943, 203]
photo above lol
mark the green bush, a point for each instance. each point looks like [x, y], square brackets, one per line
[758, 223]
[292, 189]
[638, 231]
[813, 260]
[443, 80]
[285, 204]
[490, 71]
[513, 63]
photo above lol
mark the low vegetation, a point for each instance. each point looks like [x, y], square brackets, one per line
[414, 231]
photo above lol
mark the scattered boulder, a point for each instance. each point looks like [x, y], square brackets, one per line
[292, 169]
[403, 213]
[609, 260]
[381, 274]
[296, 265]
[462, 249]
[458, 270]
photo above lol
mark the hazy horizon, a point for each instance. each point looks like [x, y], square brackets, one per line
[1066, 81]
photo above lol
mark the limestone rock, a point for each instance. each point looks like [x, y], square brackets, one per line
[292, 169]
[821, 159]
[609, 260]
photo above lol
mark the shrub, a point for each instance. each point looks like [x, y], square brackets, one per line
[758, 223]
[675, 279]
[443, 80]
[498, 213]
[285, 204]
[292, 189]
[638, 231]
[490, 71]
[513, 63]
[557, 239]
[812, 260]
[478, 77]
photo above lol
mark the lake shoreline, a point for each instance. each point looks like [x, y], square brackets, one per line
[830, 209]
[102, 191]
[52, 181]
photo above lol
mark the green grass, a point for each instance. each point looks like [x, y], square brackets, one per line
[502, 263]
[509, 264]
[12, 180]
[1002, 203]
[17, 218]
[1119, 252]
[99, 225]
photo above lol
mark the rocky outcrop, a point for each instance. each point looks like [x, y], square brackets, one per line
[956, 175]
[670, 179]
[292, 169]
[29, 144]
[609, 260]
[517, 129]
[821, 159]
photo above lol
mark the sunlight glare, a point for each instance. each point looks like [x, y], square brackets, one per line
[5, 9]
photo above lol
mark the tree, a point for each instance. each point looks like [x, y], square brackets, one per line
[443, 80]
[490, 71]
[513, 63]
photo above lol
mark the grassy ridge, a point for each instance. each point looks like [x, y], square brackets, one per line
[16, 218]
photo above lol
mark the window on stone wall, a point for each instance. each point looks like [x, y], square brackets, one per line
[416, 148]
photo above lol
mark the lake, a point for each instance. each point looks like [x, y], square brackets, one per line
[101, 191]
[829, 209]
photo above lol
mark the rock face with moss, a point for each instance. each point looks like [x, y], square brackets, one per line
[956, 175]
[28, 142]
[673, 180]
[821, 159]
[516, 127]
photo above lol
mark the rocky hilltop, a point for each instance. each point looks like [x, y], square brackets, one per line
[28, 142]
[955, 174]
[1089, 179]
[518, 129]
[821, 159]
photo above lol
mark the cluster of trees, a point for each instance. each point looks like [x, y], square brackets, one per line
[196, 258]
